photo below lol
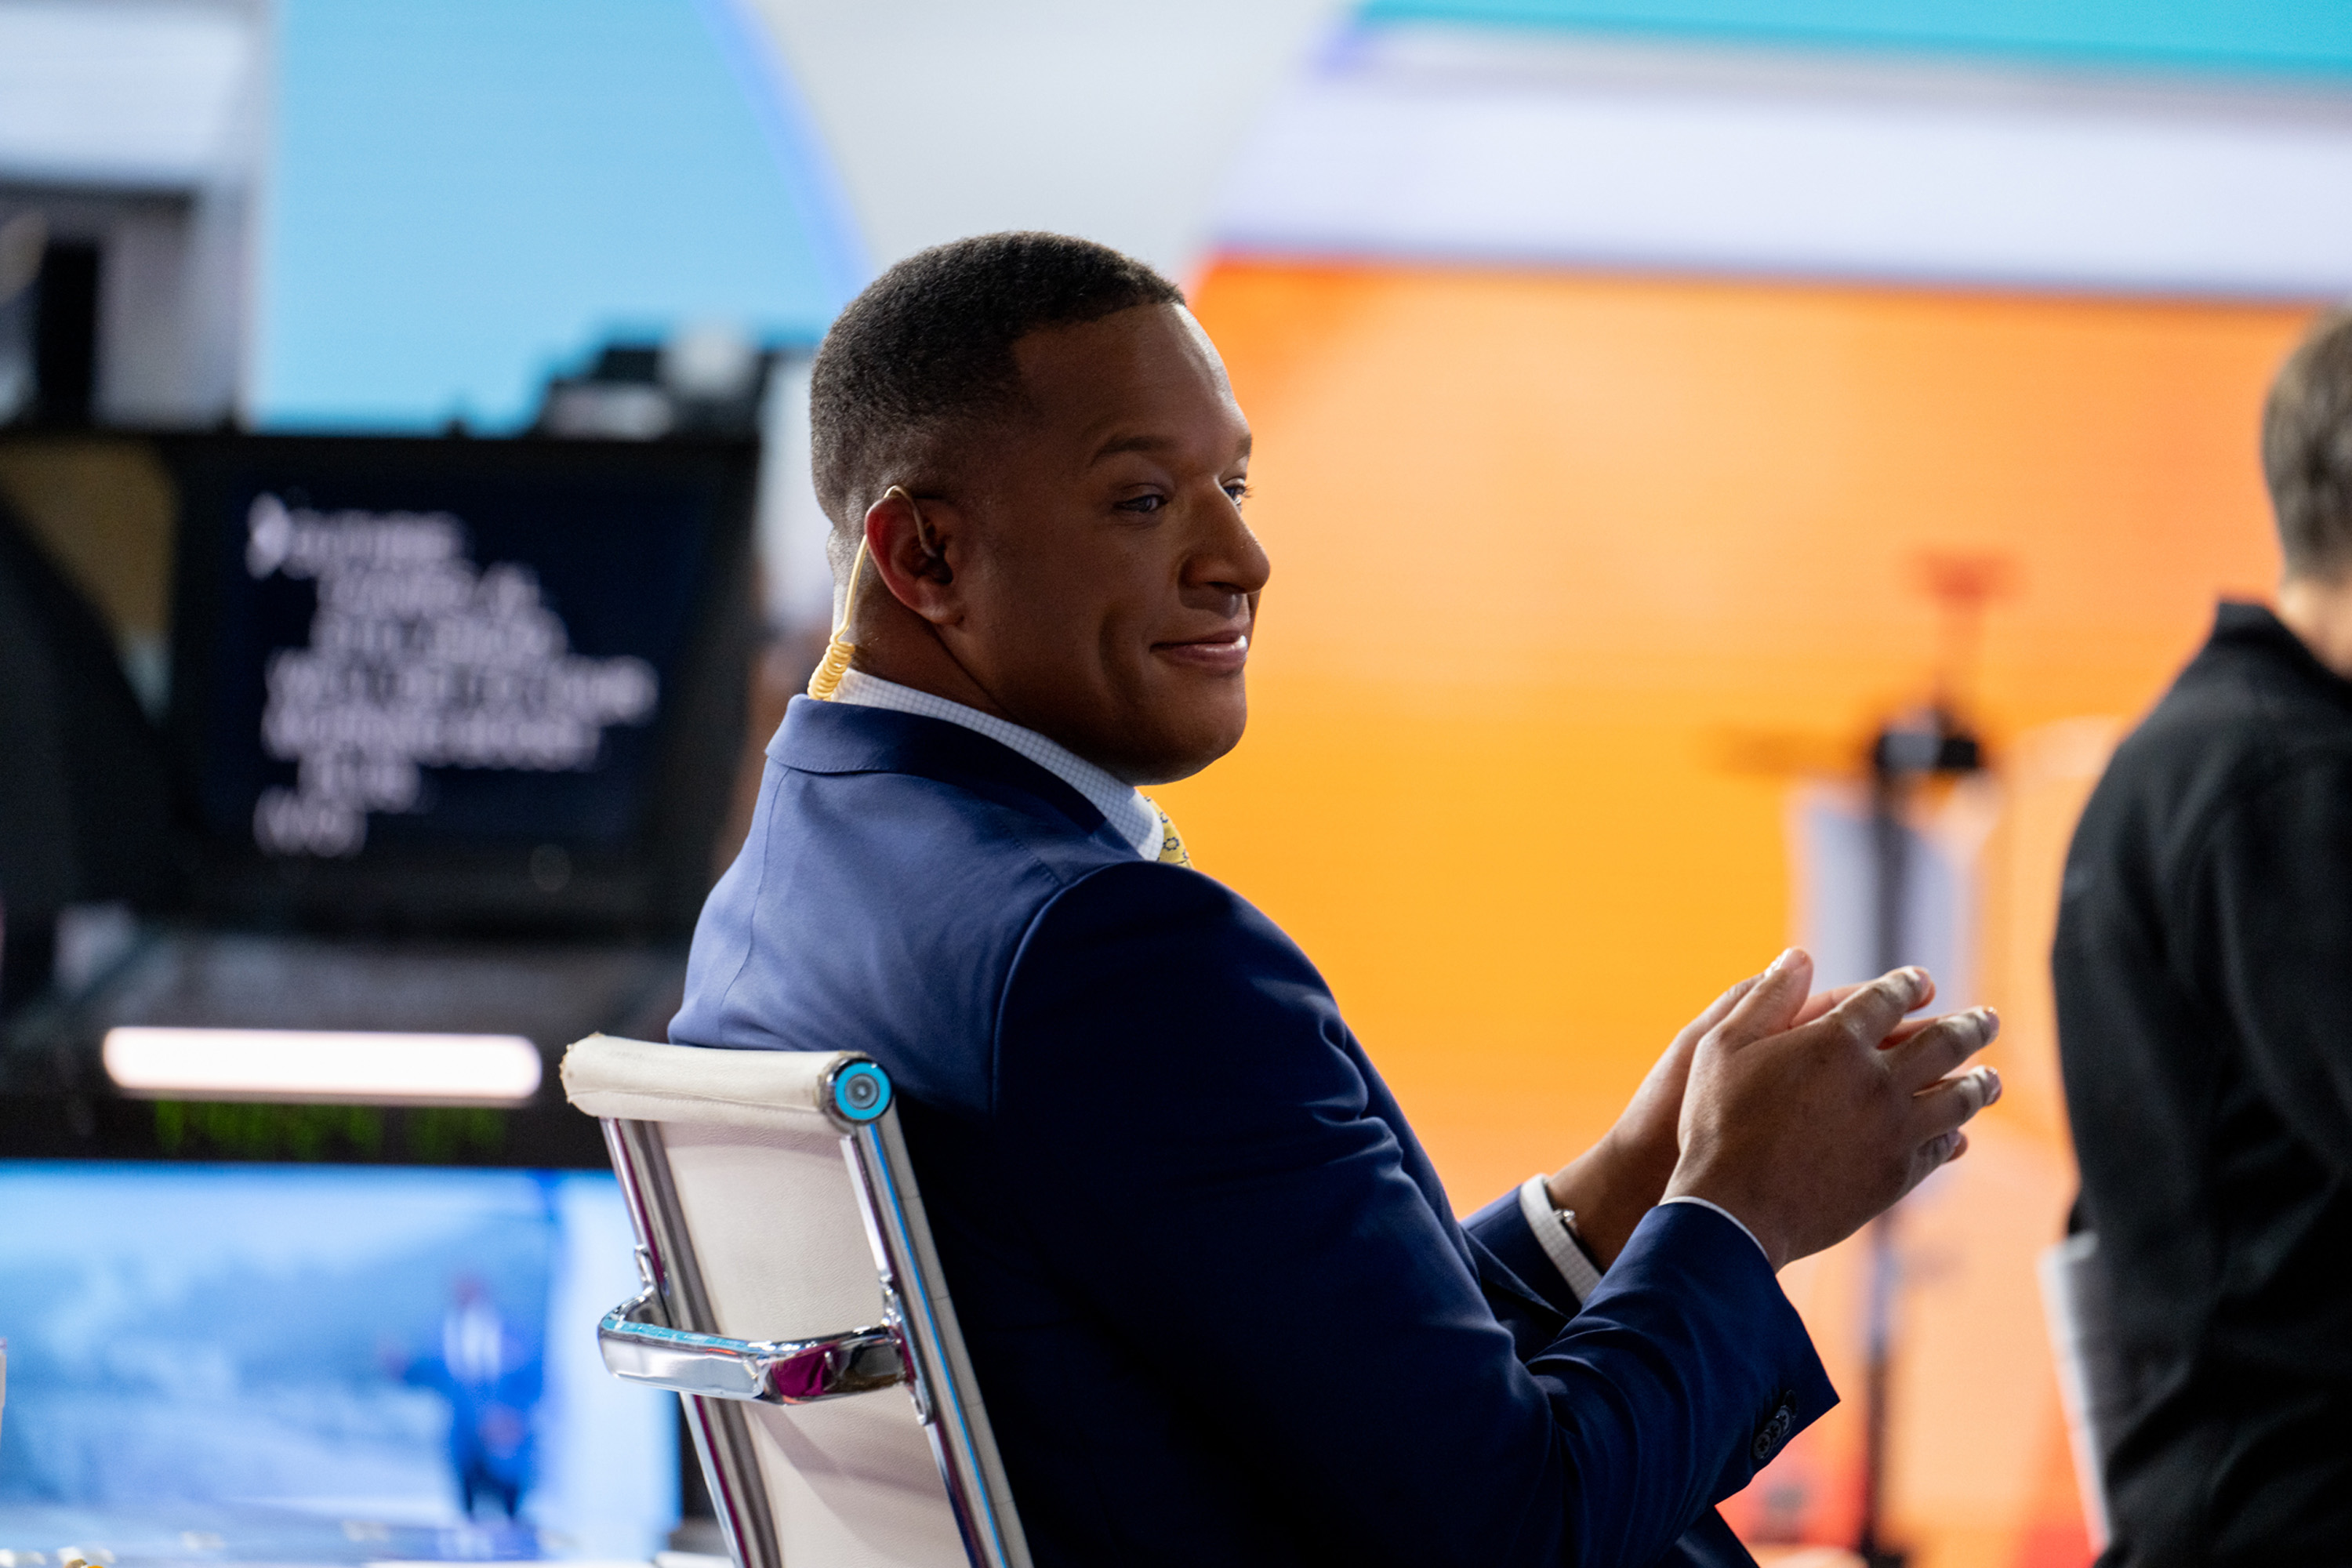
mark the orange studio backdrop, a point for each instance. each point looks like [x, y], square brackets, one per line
[1562, 565]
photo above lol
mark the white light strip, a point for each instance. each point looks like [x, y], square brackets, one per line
[1463, 144]
[322, 1065]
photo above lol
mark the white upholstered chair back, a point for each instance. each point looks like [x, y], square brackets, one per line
[795, 1303]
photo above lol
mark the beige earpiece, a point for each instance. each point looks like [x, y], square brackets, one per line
[824, 682]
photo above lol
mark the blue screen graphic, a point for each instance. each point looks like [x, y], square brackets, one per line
[255, 1359]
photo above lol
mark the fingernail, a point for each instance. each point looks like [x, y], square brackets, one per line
[1992, 1084]
[1787, 956]
[1991, 1021]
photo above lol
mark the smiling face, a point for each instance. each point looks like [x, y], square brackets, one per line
[1110, 586]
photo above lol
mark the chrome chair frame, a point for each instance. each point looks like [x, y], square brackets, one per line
[665, 1336]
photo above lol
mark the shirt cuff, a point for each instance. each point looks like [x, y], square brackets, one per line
[1559, 1242]
[1726, 1213]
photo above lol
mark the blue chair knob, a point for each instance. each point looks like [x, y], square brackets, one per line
[861, 1091]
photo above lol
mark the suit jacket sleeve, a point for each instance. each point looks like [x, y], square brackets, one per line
[1201, 1166]
[2273, 919]
[1505, 1252]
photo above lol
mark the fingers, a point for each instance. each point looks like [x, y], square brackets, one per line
[1935, 1047]
[1821, 1002]
[1903, 1031]
[1772, 1000]
[1939, 1111]
[1873, 1010]
[1720, 1008]
[1676, 1059]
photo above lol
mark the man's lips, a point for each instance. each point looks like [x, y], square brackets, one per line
[1220, 653]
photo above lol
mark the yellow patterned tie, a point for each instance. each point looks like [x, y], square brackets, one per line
[1172, 842]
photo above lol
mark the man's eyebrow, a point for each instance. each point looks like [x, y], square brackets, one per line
[1139, 442]
[1142, 442]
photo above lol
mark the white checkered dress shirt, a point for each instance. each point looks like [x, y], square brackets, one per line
[1129, 814]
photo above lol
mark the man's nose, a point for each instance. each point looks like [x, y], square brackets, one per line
[1228, 556]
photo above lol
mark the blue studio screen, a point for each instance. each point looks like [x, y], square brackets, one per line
[398, 1362]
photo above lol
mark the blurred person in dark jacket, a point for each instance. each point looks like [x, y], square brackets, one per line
[2204, 974]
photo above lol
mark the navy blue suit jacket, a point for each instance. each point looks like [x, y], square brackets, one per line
[1218, 1304]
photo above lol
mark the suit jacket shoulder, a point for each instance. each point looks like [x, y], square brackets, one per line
[893, 866]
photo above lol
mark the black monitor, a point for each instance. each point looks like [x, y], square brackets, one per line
[446, 684]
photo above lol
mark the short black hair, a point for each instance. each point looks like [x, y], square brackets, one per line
[928, 349]
[2307, 451]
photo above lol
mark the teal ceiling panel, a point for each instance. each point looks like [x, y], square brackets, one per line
[2309, 37]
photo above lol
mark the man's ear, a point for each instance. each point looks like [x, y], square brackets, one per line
[915, 545]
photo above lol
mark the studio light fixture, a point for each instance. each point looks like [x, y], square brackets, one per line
[322, 1065]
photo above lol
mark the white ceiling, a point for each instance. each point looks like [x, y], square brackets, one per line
[140, 93]
[1118, 119]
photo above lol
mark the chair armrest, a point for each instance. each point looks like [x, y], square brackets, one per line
[639, 1348]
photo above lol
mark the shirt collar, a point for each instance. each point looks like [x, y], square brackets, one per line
[1130, 815]
[2246, 624]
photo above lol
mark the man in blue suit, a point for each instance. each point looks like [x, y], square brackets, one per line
[1216, 1300]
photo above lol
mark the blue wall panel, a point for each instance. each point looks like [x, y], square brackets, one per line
[469, 193]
